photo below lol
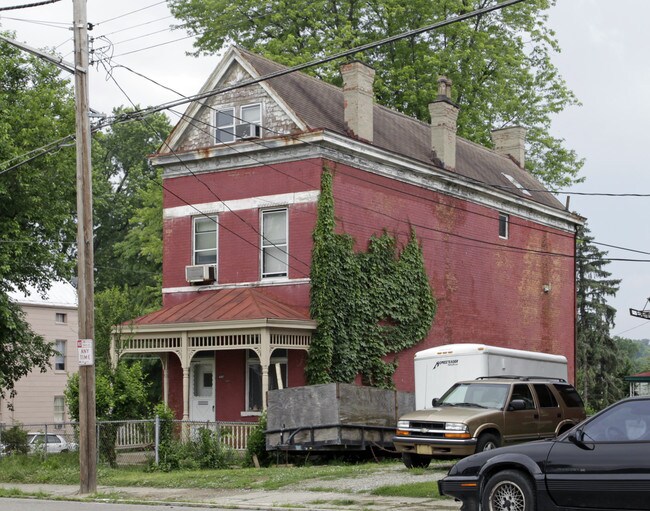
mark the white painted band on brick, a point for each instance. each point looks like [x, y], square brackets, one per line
[265, 201]
[259, 283]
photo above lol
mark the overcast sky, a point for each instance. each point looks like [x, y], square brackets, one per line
[603, 60]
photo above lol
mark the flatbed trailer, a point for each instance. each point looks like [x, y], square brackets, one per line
[334, 417]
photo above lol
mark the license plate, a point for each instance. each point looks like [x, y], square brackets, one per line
[423, 449]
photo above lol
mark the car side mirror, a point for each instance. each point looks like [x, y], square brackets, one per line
[517, 404]
[434, 402]
[577, 437]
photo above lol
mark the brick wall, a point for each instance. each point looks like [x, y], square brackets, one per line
[489, 290]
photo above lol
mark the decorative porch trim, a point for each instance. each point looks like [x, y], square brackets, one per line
[187, 339]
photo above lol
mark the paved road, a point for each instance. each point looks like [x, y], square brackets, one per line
[8, 504]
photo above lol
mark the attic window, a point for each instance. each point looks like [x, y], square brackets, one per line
[232, 125]
[516, 183]
[225, 122]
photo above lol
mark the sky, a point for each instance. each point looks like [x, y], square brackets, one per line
[603, 59]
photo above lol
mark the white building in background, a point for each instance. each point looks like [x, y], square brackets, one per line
[39, 397]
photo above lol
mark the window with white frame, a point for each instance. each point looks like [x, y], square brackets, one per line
[205, 240]
[61, 317]
[275, 245]
[225, 123]
[59, 409]
[231, 127]
[59, 358]
[277, 377]
[251, 114]
[504, 225]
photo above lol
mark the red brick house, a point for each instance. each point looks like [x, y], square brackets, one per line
[242, 177]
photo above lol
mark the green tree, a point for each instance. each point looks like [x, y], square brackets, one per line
[37, 200]
[128, 205]
[500, 63]
[121, 394]
[601, 361]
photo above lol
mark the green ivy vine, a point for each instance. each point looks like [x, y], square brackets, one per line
[368, 305]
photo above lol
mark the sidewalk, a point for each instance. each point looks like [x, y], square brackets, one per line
[237, 499]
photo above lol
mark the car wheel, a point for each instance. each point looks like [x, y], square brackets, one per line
[508, 490]
[411, 460]
[487, 442]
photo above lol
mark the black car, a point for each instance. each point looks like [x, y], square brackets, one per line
[601, 464]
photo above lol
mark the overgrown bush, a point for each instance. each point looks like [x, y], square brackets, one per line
[204, 448]
[256, 444]
[14, 440]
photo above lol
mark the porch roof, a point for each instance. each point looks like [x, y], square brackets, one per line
[238, 304]
[641, 377]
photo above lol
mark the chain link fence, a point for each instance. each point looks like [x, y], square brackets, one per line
[123, 443]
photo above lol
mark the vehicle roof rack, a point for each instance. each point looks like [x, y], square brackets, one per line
[522, 378]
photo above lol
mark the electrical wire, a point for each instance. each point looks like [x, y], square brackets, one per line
[322, 60]
[128, 13]
[299, 272]
[27, 6]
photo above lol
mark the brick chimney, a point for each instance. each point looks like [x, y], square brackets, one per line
[511, 142]
[358, 99]
[444, 114]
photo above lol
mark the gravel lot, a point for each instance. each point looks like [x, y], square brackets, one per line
[392, 474]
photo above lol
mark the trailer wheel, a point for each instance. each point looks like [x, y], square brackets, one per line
[411, 460]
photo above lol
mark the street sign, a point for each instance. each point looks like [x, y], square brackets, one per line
[86, 352]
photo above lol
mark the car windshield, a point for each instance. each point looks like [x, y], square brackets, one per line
[479, 395]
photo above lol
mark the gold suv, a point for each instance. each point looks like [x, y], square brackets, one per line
[482, 414]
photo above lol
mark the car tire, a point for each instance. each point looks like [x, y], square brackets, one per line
[508, 490]
[487, 442]
[411, 460]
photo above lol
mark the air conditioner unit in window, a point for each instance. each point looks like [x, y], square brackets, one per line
[199, 274]
[58, 426]
[248, 130]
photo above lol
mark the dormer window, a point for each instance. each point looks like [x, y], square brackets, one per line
[232, 126]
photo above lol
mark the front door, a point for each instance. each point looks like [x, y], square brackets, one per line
[202, 390]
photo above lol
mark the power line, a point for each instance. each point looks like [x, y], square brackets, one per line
[194, 123]
[26, 6]
[128, 13]
[137, 26]
[323, 60]
[143, 119]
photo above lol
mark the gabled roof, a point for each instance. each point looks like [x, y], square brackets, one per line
[320, 106]
[224, 305]
[314, 105]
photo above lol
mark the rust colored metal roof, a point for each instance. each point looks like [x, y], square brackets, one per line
[224, 305]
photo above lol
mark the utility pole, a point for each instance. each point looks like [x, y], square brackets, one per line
[85, 263]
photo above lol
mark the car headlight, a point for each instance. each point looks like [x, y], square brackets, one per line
[402, 424]
[457, 431]
[456, 426]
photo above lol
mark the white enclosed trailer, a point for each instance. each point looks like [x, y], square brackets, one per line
[437, 369]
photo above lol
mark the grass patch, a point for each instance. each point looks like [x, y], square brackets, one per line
[423, 490]
[64, 469]
[15, 492]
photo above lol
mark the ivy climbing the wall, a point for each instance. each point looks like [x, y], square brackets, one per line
[368, 305]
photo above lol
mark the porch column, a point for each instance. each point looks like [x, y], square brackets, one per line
[164, 359]
[185, 364]
[265, 360]
[186, 393]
